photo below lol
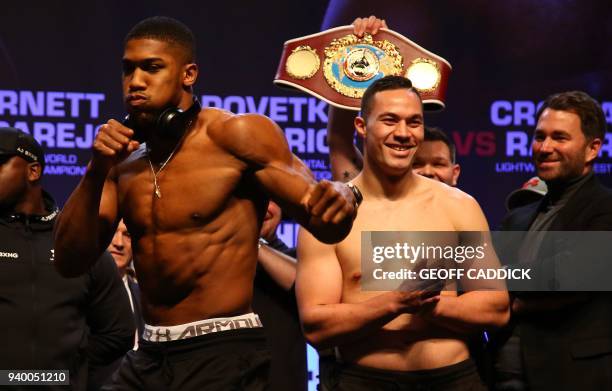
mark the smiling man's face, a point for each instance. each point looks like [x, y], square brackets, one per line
[560, 149]
[393, 130]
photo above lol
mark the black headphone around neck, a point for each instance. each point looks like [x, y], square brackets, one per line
[171, 122]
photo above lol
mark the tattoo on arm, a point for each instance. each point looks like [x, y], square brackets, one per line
[347, 175]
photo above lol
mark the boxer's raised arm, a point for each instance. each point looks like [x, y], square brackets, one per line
[326, 208]
[345, 158]
[85, 226]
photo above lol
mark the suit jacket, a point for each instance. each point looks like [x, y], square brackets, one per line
[100, 375]
[570, 348]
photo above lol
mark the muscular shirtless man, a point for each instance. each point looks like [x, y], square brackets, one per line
[408, 337]
[435, 158]
[193, 199]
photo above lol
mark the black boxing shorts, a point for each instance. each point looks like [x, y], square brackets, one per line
[457, 377]
[233, 359]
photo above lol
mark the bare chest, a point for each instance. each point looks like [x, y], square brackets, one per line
[193, 189]
[388, 222]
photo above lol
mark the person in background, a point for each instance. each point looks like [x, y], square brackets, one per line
[414, 337]
[274, 300]
[192, 187]
[532, 191]
[121, 251]
[560, 340]
[50, 322]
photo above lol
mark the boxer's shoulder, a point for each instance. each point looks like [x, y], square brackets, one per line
[211, 118]
[463, 210]
[444, 192]
[245, 135]
[456, 203]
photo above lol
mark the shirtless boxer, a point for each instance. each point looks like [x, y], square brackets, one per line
[410, 337]
[193, 199]
[435, 158]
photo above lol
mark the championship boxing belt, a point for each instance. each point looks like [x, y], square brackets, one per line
[337, 67]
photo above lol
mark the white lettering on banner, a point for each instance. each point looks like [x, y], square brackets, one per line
[307, 141]
[514, 167]
[211, 101]
[8, 102]
[517, 113]
[298, 103]
[34, 106]
[61, 164]
[606, 148]
[58, 135]
[517, 144]
[523, 112]
[607, 109]
[65, 170]
[317, 109]
[278, 108]
[316, 164]
[36, 113]
[235, 104]
[53, 104]
[54, 158]
[252, 107]
[500, 113]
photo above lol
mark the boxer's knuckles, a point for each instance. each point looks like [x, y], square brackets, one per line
[112, 144]
[331, 201]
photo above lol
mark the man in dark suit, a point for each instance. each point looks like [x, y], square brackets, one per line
[560, 340]
[121, 250]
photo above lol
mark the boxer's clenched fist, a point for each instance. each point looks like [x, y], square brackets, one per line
[112, 145]
[331, 202]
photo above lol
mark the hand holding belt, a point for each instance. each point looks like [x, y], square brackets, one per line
[337, 67]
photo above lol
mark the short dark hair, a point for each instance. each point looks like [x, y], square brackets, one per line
[592, 118]
[384, 84]
[437, 134]
[163, 28]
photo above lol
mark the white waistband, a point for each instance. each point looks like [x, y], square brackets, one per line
[200, 327]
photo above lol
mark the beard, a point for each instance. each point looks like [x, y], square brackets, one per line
[565, 171]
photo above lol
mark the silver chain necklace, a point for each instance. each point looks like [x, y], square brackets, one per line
[156, 189]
